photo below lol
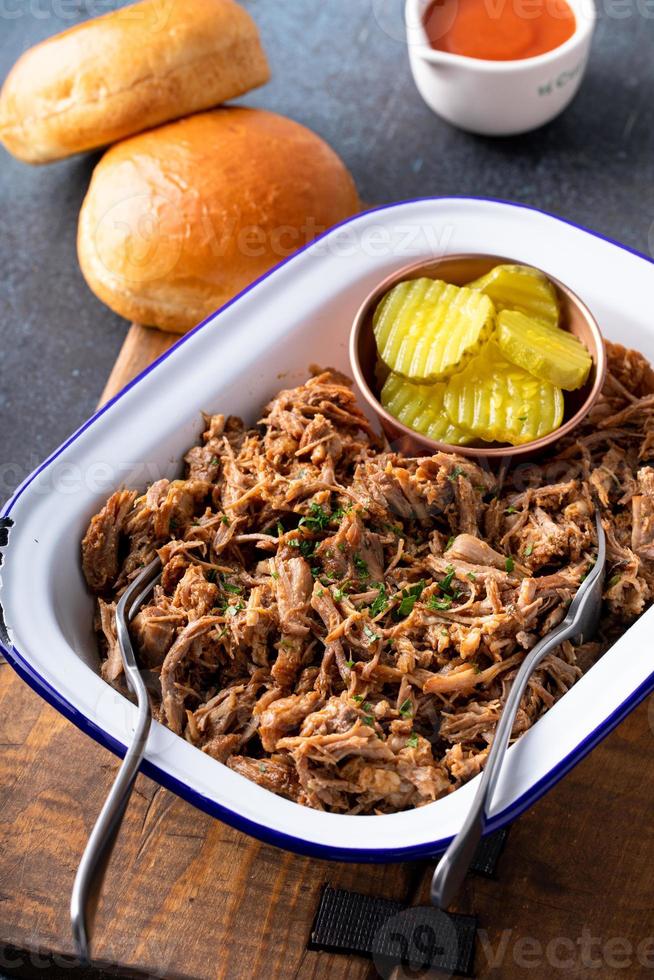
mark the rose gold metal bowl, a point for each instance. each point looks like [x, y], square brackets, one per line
[370, 373]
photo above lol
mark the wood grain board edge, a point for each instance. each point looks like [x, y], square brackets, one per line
[142, 346]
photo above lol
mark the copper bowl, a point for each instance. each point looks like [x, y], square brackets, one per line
[370, 373]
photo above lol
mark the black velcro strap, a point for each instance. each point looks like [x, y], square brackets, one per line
[346, 922]
[418, 937]
[488, 853]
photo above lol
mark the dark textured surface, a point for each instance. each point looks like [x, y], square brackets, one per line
[341, 68]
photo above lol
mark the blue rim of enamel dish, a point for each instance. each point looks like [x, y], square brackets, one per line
[290, 842]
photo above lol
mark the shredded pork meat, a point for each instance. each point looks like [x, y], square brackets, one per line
[340, 623]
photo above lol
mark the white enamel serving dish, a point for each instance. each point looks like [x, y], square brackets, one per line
[300, 313]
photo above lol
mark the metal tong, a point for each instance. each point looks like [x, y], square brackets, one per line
[100, 844]
[580, 622]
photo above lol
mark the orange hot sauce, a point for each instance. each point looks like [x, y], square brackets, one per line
[498, 30]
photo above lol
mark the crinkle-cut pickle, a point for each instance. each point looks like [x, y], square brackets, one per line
[426, 329]
[500, 402]
[519, 287]
[421, 408]
[553, 355]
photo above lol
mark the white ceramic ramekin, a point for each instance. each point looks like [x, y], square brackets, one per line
[499, 98]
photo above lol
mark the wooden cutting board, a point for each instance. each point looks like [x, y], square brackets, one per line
[188, 897]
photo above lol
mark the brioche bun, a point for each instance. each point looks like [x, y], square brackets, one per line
[179, 219]
[126, 71]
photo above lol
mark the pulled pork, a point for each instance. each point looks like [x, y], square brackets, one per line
[341, 624]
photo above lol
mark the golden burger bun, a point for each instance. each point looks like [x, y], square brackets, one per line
[126, 71]
[179, 219]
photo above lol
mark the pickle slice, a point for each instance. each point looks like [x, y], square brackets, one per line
[519, 287]
[499, 401]
[553, 355]
[421, 408]
[427, 329]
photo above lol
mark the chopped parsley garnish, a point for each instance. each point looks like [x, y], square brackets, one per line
[231, 587]
[380, 602]
[214, 461]
[406, 708]
[280, 529]
[357, 697]
[305, 546]
[274, 575]
[450, 542]
[339, 594]
[472, 576]
[232, 610]
[511, 510]
[408, 599]
[509, 564]
[225, 520]
[445, 583]
[349, 663]
[361, 566]
[456, 473]
[368, 718]
[317, 519]
[370, 633]
[412, 741]
[612, 581]
[529, 550]
[442, 602]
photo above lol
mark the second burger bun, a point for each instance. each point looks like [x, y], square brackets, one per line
[179, 219]
[126, 71]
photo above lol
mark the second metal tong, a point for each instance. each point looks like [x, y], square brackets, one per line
[580, 622]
